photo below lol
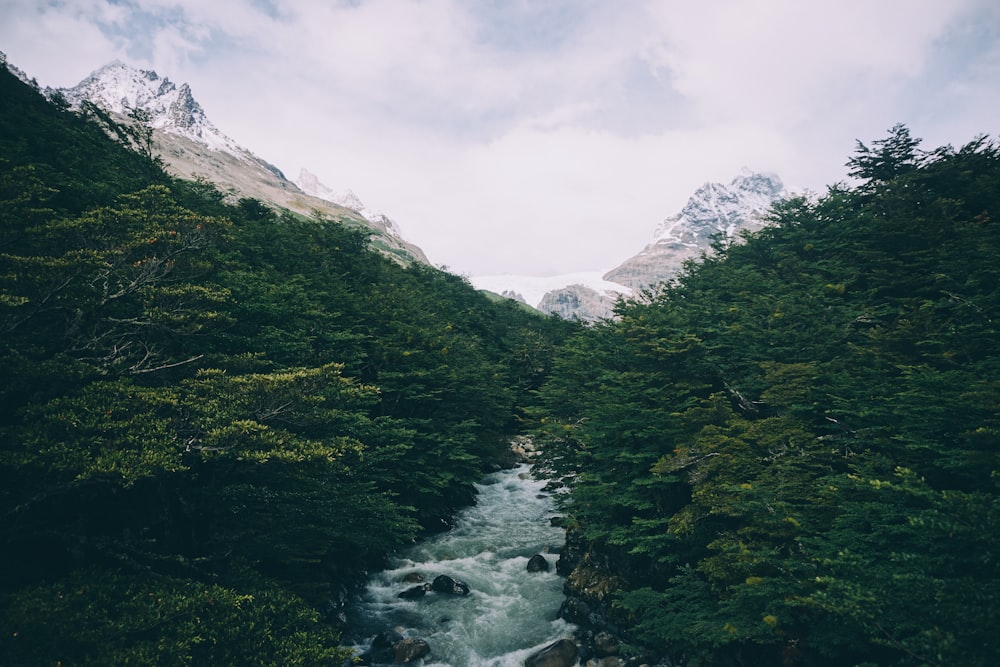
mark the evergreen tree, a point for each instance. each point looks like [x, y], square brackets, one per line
[787, 455]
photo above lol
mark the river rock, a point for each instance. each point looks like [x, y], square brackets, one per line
[445, 584]
[537, 563]
[605, 645]
[558, 654]
[410, 649]
[522, 449]
[413, 578]
[575, 610]
[609, 661]
[414, 592]
[383, 647]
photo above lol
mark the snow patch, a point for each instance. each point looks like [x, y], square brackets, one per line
[533, 288]
[310, 184]
[119, 88]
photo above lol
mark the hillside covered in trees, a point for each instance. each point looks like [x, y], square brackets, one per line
[215, 415]
[789, 454]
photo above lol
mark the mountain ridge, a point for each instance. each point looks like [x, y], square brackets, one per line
[713, 210]
[194, 148]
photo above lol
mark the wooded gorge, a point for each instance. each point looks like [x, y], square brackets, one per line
[215, 415]
[788, 455]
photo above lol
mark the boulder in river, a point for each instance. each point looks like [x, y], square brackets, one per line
[558, 654]
[414, 592]
[410, 649]
[390, 646]
[537, 563]
[383, 647]
[609, 661]
[445, 584]
[605, 644]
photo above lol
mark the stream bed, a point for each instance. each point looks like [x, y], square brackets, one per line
[508, 613]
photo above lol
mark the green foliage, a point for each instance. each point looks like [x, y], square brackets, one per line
[215, 418]
[788, 454]
[97, 617]
[888, 158]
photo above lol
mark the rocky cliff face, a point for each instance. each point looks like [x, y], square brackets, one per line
[119, 88]
[192, 147]
[715, 210]
[578, 302]
[311, 185]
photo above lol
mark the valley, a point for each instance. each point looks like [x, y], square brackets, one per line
[240, 416]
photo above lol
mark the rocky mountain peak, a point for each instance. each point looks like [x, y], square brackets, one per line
[192, 147]
[17, 71]
[310, 184]
[120, 88]
[716, 208]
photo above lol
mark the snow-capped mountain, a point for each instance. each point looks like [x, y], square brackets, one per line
[717, 208]
[533, 290]
[119, 88]
[17, 71]
[311, 185]
[192, 147]
[714, 209]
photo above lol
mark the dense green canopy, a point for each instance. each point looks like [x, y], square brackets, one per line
[789, 454]
[214, 415]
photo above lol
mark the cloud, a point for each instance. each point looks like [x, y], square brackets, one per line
[542, 136]
[59, 43]
[790, 57]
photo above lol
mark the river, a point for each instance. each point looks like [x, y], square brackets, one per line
[509, 613]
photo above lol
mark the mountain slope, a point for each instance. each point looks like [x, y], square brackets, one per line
[789, 454]
[213, 417]
[311, 185]
[714, 209]
[193, 148]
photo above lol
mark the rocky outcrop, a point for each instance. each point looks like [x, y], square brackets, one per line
[656, 263]
[562, 653]
[714, 211]
[523, 449]
[414, 592]
[609, 661]
[409, 650]
[449, 586]
[590, 588]
[605, 645]
[390, 646]
[578, 302]
[537, 563]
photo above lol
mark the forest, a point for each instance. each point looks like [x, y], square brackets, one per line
[215, 416]
[788, 455]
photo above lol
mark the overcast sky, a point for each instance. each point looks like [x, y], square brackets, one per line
[542, 136]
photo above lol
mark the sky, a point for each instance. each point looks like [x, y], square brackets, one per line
[542, 137]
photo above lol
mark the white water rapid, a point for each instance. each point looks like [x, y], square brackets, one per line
[510, 612]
